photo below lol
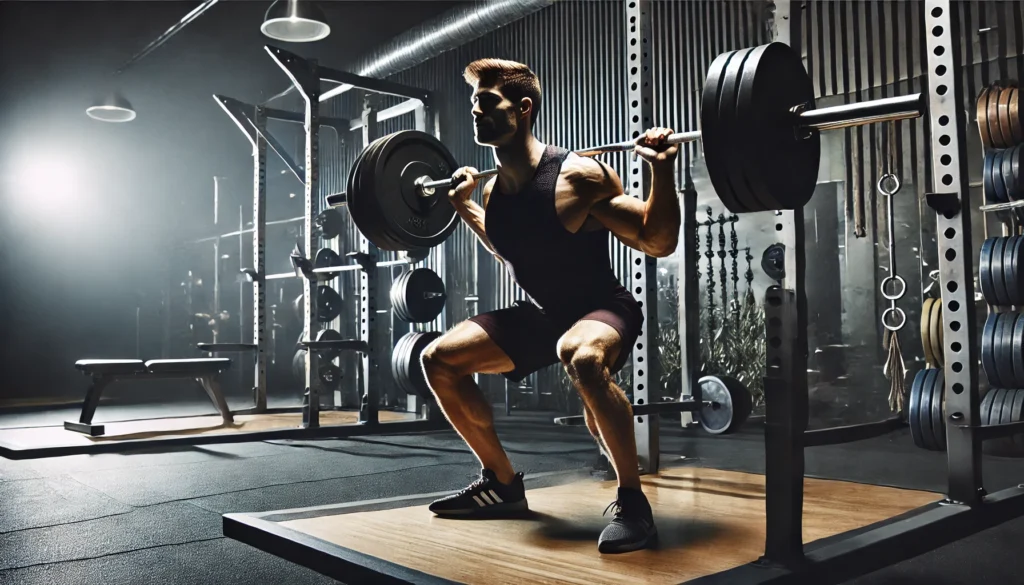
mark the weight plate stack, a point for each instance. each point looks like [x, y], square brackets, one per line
[981, 115]
[716, 151]
[926, 342]
[418, 296]
[988, 350]
[985, 271]
[998, 283]
[925, 410]
[1011, 276]
[729, 126]
[405, 363]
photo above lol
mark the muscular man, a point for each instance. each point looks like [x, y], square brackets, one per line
[546, 217]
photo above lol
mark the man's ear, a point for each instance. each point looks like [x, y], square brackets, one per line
[526, 106]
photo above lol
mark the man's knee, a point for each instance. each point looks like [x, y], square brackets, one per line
[441, 361]
[584, 361]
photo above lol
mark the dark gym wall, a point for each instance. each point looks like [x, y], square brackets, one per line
[867, 50]
[90, 210]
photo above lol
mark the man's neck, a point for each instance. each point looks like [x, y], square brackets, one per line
[517, 163]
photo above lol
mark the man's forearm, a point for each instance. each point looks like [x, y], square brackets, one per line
[662, 216]
[473, 215]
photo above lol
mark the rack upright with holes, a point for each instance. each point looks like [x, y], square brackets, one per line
[373, 343]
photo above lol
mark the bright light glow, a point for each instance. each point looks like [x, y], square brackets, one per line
[47, 183]
[295, 30]
[110, 114]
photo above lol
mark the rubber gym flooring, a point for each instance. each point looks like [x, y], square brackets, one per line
[155, 516]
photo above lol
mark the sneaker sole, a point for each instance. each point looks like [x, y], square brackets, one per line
[610, 549]
[488, 512]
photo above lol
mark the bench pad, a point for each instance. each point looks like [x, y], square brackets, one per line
[194, 366]
[104, 367]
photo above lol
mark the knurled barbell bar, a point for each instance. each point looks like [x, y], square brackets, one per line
[759, 134]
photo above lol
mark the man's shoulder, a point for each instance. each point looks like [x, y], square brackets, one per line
[588, 175]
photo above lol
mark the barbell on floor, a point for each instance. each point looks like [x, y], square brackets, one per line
[759, 135]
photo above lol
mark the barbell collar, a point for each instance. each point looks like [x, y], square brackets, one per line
[863, 113]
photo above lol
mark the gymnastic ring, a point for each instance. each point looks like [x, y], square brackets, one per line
[894, 311]
[889, 177]
[899, 292]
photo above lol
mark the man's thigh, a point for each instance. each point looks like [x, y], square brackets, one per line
[527, 336]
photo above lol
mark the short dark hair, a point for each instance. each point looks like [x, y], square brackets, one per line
[517, 80]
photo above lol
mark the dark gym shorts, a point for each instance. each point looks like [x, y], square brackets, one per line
[529, 336]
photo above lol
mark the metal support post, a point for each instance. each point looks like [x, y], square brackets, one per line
[259, 295]
[946, 123]
[643, 269]
[368, 281]
[303, 75]
[786, 395]
[689, 301]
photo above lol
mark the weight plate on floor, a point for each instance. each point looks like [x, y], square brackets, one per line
[938, 420]
[1004, 349]
[935, 333]
[986, 177]
[993, 117]
[998, 285]
[328, 355]
[985, 272]
[988, 349]
[914, 407]
[1010, 276]
[328, 304]
[784, 170]
[728, 126]
[326, 258]
[715, 147]
[330, 377]
[731, 404]
[926, 344]
[981, 115]
[1004, 118]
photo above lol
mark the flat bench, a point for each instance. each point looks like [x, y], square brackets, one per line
[103, 372]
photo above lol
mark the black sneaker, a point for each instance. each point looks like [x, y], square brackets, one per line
[633, 526]
[485, 497]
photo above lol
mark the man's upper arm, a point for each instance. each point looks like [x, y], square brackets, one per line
[622, 214]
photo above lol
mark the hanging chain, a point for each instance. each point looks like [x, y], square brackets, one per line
[893, 318]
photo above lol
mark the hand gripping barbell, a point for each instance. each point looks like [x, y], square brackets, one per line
[760, 137]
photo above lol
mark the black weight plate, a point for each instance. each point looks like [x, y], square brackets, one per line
[1018, 350]
[1011, 276]
[420, 295]
[1009, 185]
[1016, 191]
[1005, 416]
[326, 258]
[999, 409]
[329, 223]
[414, 220]
[985, 272]
[742, 401]
[998, 286]
[988, 412]
[997, 175]
[988, 349]
[1004, 349]
[782, 164]
[925, 416]
[938, 422]
[369, 205]
[729, 126]
[396, 297]
[352, 185]
[720, 417]
[330, 377]
[406, 316]
[987, 176]
[403, 363]
[328, 304]
[396, 355]
[1017, 413]
[328, 355]
[1006, 268]
[415, 369]
[716, 151]
[914, 407]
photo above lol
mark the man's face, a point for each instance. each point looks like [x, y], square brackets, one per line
[495, 118]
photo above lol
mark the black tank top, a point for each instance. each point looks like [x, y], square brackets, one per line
[567, 274]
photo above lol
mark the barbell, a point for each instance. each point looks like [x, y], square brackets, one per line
[759, 131]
